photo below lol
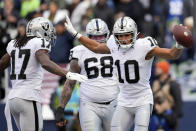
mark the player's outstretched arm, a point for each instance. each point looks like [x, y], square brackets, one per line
[166, 53]
[66, 94]
[4, 62]
[47, 64]
[90, 44]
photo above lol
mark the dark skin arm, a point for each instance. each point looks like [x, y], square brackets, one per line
[4, 62]
[66, 94]
[94, 45]
[166, 53]
[69, 84]
[47, 64]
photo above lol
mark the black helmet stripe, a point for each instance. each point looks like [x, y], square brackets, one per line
[97, 24]
[122, 22]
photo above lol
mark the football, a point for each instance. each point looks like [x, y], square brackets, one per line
[183, 36]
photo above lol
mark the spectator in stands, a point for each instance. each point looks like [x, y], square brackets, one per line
[11, 16]
[71, 5]
[133, 9]
[167, 100]
[55, 14]
[78, 14]
[88, 15]
[64, 43]
[43, 5]
[21, 28]
[159, 12]
[104, 12]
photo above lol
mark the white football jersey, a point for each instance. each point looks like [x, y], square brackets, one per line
[26, 72]
[133, 71]
[101, 85]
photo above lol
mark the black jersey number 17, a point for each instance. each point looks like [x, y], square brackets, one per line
[26, 53]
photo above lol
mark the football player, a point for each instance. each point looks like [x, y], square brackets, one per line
[98, 94]
[133, 59]
[27, 55]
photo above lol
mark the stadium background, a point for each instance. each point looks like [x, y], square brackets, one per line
[154, 18]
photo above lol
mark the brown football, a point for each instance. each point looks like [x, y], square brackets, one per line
[183, 36]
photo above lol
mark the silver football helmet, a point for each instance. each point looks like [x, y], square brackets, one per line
[97, 29]
[41, 27]
[125, 26]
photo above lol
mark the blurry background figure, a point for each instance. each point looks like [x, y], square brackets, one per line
[43, 5]
[64, 43]
[55, 14]
[133, 9]
[86, 17]
[10, 14]
[78, 14]
[9, 18]
[159, 9]
[71, 109]
[104, 12]
[167, 100]
[21, 28]
[71, 5]
[86, 14]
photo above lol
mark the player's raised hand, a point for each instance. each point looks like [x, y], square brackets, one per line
[76, 76]
[70, 28]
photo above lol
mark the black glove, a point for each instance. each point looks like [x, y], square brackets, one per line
[59, 116]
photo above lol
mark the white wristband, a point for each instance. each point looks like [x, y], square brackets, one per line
[178, 46]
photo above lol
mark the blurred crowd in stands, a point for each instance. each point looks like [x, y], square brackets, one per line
[153, 17]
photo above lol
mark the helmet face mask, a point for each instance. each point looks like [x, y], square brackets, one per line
[125, 26]
[99, 38]
[41, 27]
[97, 30]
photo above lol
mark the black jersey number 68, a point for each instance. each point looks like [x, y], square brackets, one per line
[93, 72]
